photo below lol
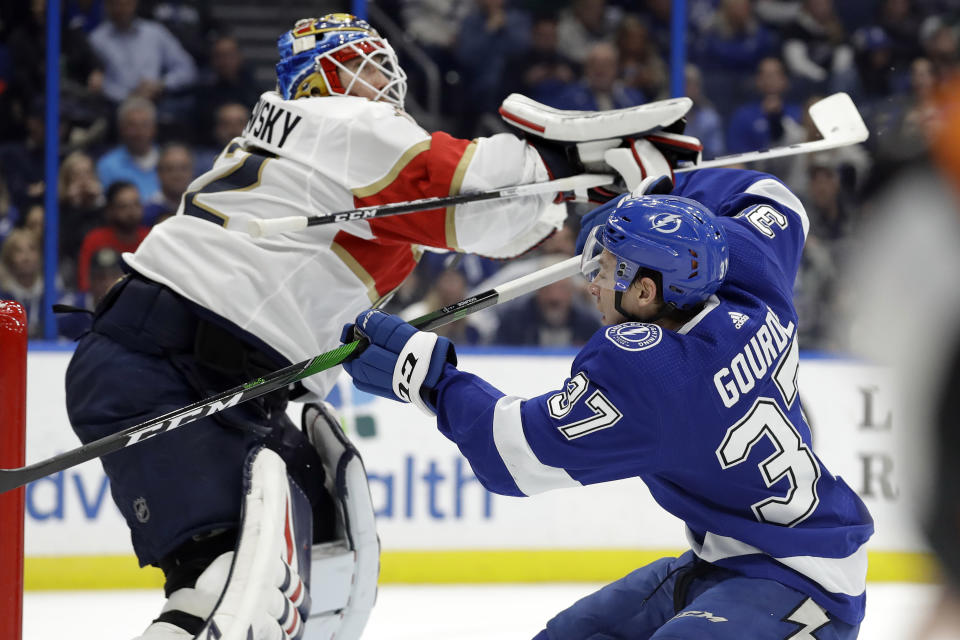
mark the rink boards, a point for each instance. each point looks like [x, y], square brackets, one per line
[437, 524]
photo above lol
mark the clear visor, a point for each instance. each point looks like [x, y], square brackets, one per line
[602, 268]
[590, 257]
[378, 72]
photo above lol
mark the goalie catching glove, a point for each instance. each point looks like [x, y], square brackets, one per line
[400, 363]
[636, 142]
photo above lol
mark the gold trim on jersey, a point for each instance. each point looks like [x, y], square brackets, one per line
[455, 184]
[191, 197]
[357, 270]
[400, 165]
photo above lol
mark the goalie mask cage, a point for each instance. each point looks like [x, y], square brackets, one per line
[13, 410]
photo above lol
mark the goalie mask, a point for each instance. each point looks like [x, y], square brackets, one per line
[674, 236]
[316, 50]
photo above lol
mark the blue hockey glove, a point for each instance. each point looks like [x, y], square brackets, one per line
[401, 363]
[650, 185]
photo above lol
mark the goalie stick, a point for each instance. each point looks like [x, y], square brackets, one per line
[836, 118]
[14, 478]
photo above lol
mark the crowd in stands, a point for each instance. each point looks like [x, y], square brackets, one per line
[152, 90]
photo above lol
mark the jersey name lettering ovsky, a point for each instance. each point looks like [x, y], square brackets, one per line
[264, 119]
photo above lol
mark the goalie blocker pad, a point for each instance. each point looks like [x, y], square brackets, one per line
[583, 126]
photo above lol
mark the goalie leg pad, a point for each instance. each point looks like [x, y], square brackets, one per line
[580, 126]
[345, 570]
[259, 591]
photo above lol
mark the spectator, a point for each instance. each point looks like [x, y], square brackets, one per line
[9, 213]
[900, 127]
[175, 171]
[135, 159]
[104, 270]
[940, 46]
[549, 318]
[732, 44]
[33, 219]
[641, 66]
[21, 162]
[899, 21]
[229, 121]
[874, 53]
[543, 71]
[21, 277]
[816, 49]
[599, 89]
[734, 41]
[827, 208]
[767, 121]
[229, 80]
[81, 76]
[657, 15]
[190, 21]
[434, 24]
[703, 120]
[490, 34]
[449, 287]
[123, 230]
[81, 209]
[584, 24]
[140, 57]
[819, 289]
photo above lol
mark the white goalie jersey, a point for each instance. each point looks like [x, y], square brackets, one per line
[321, 155]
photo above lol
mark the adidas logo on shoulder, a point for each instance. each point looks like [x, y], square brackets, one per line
[739, 319]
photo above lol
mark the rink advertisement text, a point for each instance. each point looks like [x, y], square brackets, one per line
[427, 497]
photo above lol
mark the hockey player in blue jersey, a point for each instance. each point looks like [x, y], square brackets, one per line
[692, 386]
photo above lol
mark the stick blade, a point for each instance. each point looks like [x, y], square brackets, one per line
[837, 119]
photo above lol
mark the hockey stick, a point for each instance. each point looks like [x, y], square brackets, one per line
[13, 478]
[267, 227]
[837, 120]
[835, 117]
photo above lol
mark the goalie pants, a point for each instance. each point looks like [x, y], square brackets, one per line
[686, 598]
[151, 352]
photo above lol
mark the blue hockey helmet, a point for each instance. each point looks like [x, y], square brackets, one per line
[314, 52]
[674, 236]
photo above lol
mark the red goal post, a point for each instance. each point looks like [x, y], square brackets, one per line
[13, 413]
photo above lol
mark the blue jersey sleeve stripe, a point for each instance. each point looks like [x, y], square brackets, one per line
[846, 576]
[776, 191]
[530, 475]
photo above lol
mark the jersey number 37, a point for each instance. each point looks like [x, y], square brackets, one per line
[791, 459]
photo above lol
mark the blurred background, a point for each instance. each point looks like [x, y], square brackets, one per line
[129, 141]
[95, 153]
